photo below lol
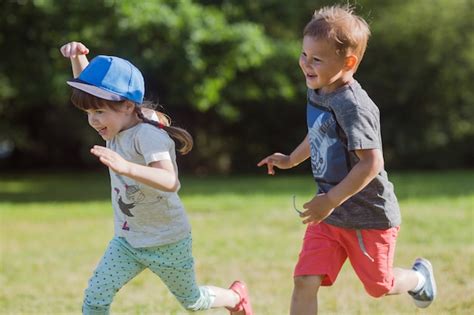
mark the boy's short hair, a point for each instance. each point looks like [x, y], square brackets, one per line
[347, 30]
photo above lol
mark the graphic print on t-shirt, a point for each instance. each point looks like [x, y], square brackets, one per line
[320, 144]
[132, 193]
[328, 159]
[133, 196]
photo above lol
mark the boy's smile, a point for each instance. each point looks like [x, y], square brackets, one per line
[322, 67]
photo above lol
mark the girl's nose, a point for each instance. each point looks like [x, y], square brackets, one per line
[91, 119]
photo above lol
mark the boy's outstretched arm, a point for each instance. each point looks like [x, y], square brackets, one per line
[77, 52]
[282, 161]
[370, 164]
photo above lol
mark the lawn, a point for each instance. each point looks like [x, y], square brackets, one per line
[54, 228]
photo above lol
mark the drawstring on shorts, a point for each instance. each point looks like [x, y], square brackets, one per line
[362, 246]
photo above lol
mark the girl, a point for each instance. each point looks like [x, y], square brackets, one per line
[151, 227]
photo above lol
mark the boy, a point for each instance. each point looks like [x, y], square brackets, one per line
[355, 214]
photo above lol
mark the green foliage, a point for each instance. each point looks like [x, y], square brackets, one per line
[227, 71]
[428, 66]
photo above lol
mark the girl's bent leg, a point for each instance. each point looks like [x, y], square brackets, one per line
[304, 300]
[115, 269]
[174, 264]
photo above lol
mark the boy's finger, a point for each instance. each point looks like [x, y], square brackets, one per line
[264, 161]
[311, 221]
[270, 168]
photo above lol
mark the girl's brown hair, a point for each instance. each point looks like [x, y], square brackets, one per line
[85, 101]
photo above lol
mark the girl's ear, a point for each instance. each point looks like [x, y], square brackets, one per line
[129, 107]
[350, 62]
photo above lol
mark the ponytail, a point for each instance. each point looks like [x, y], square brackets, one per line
[182, 136]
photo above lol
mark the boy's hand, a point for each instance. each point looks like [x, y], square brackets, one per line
[111, 159]
[279, 160]
[319, 208]
[73, 49]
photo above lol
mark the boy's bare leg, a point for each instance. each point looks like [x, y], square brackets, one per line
[419, 282]
[405, 280]
[304, 300]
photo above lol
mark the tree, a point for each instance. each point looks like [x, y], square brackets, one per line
[227, 71]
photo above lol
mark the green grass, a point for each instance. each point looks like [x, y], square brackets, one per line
[55, 227]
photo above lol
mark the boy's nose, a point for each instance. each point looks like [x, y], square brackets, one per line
[304, 62]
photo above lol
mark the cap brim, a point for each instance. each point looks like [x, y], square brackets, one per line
[91, 89]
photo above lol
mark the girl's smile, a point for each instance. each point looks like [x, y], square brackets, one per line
[109, 122]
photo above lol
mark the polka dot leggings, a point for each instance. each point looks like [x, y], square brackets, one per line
[121, 262]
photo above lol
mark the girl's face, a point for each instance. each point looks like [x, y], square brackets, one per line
[109, 122]
[322, 67]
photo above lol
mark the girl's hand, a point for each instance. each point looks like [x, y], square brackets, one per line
[73, 49]
[279, 160]
[111, 159]
[319, 208]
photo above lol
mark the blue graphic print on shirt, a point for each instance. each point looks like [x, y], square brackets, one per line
[328, 155]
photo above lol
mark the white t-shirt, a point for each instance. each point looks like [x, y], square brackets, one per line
[146, 216]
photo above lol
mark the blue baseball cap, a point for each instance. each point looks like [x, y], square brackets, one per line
[111, 78]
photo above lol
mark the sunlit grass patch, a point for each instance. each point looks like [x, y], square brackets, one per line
[55, 228]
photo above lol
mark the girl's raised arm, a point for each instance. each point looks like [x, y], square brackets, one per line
[77, 52]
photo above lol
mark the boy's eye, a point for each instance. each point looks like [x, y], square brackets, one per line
[316, 59]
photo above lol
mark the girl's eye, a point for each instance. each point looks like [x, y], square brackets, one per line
[316, 59]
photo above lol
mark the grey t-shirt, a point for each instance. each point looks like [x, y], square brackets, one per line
[339, 123]
[146, 216]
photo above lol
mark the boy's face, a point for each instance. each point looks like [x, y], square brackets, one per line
[109, 122]
[322, 67]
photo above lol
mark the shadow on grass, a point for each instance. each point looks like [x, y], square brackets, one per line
[94, 186]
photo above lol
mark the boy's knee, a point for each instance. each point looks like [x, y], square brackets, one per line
[377, 290]
[305, 283]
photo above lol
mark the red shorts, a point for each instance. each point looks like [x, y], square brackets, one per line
[326, 247]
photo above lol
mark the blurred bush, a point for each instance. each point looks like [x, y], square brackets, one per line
[227, 71]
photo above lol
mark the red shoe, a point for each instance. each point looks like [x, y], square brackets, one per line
[244, 304]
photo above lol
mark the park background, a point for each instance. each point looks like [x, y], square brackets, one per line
[228, 72]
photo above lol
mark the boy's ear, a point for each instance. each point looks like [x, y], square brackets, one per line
[350, 62]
